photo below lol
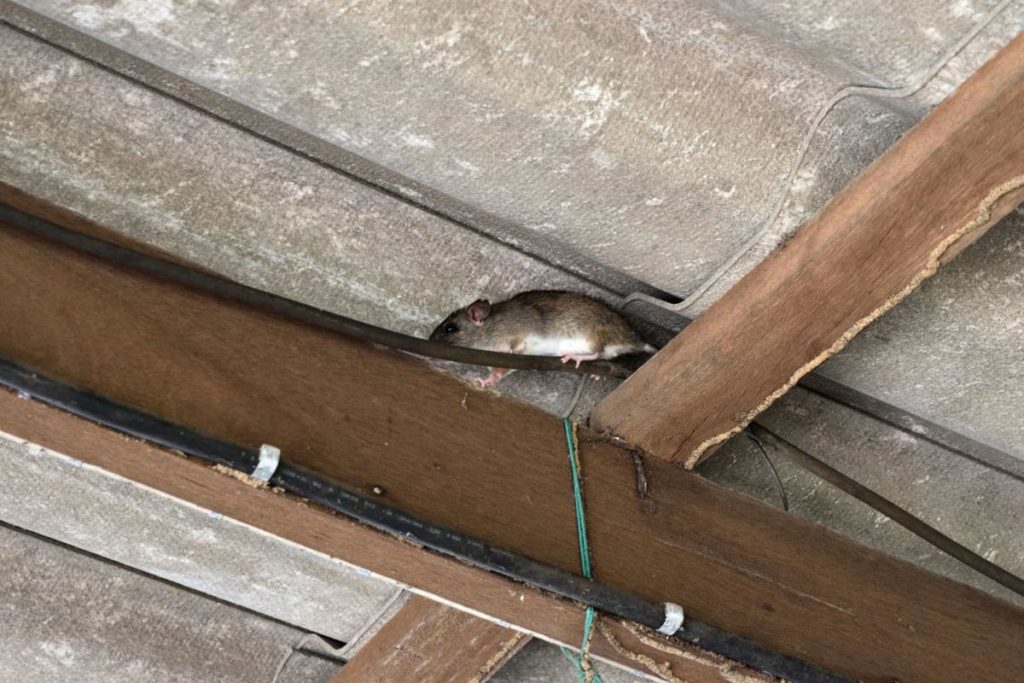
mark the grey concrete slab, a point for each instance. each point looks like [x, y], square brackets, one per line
[857, 130]
[164, 173]
[895, 42]
[58, 497]
[862, 118]
[973, 504]
[69, 617]
[954, 350]
[309, 146]
[653, 137]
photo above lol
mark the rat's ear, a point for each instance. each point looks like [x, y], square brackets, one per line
[479, 310]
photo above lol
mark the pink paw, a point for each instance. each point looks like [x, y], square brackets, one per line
[580, 357]
[491, 379]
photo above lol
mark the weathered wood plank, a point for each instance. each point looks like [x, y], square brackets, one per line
[432, 643]
[935, 191]
[491, 468]
[316, 528]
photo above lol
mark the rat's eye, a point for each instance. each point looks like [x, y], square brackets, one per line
[450, 328]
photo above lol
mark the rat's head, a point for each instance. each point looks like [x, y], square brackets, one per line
[465, 326]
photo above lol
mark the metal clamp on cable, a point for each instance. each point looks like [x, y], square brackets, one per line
[673, 619]
[270, 457]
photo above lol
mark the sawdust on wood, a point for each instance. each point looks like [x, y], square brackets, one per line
[728, 669]
[247, 479]
[981, 220]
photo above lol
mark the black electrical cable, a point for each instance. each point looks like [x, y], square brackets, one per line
[293, 310]
[307, 484]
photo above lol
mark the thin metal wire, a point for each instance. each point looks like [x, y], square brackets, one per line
[775, 472]
[894, 512]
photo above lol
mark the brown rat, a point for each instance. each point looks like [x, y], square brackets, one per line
[572, 326]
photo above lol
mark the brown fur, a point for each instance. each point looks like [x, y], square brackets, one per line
[549, 314]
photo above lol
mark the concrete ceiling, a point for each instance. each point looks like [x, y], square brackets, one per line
[657, 138]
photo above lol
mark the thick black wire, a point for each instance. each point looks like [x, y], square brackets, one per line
[293, 310]
[312, 486]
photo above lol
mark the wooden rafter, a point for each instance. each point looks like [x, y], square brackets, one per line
[935, 191]
[428, 642]
[473, 461]
[501, 599]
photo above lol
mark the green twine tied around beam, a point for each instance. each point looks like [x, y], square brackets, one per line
[584, 670]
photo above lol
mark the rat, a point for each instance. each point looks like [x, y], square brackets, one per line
[572, 326]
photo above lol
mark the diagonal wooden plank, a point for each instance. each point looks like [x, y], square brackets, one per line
[432, 643]
[494, 469]
[313, 527]
[935, 191]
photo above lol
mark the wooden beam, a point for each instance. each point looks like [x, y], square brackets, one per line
[934, 192]
[490, 468]
[425, 572]
[431, 643]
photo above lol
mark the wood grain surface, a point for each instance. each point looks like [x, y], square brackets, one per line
[428, 642]
[319, 529]
[935, 191]
[487, 466]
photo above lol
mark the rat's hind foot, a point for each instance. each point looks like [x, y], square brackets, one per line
[491, 379]
[580, 357]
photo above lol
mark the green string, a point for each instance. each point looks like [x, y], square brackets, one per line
[577, 492]
[581, 534]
